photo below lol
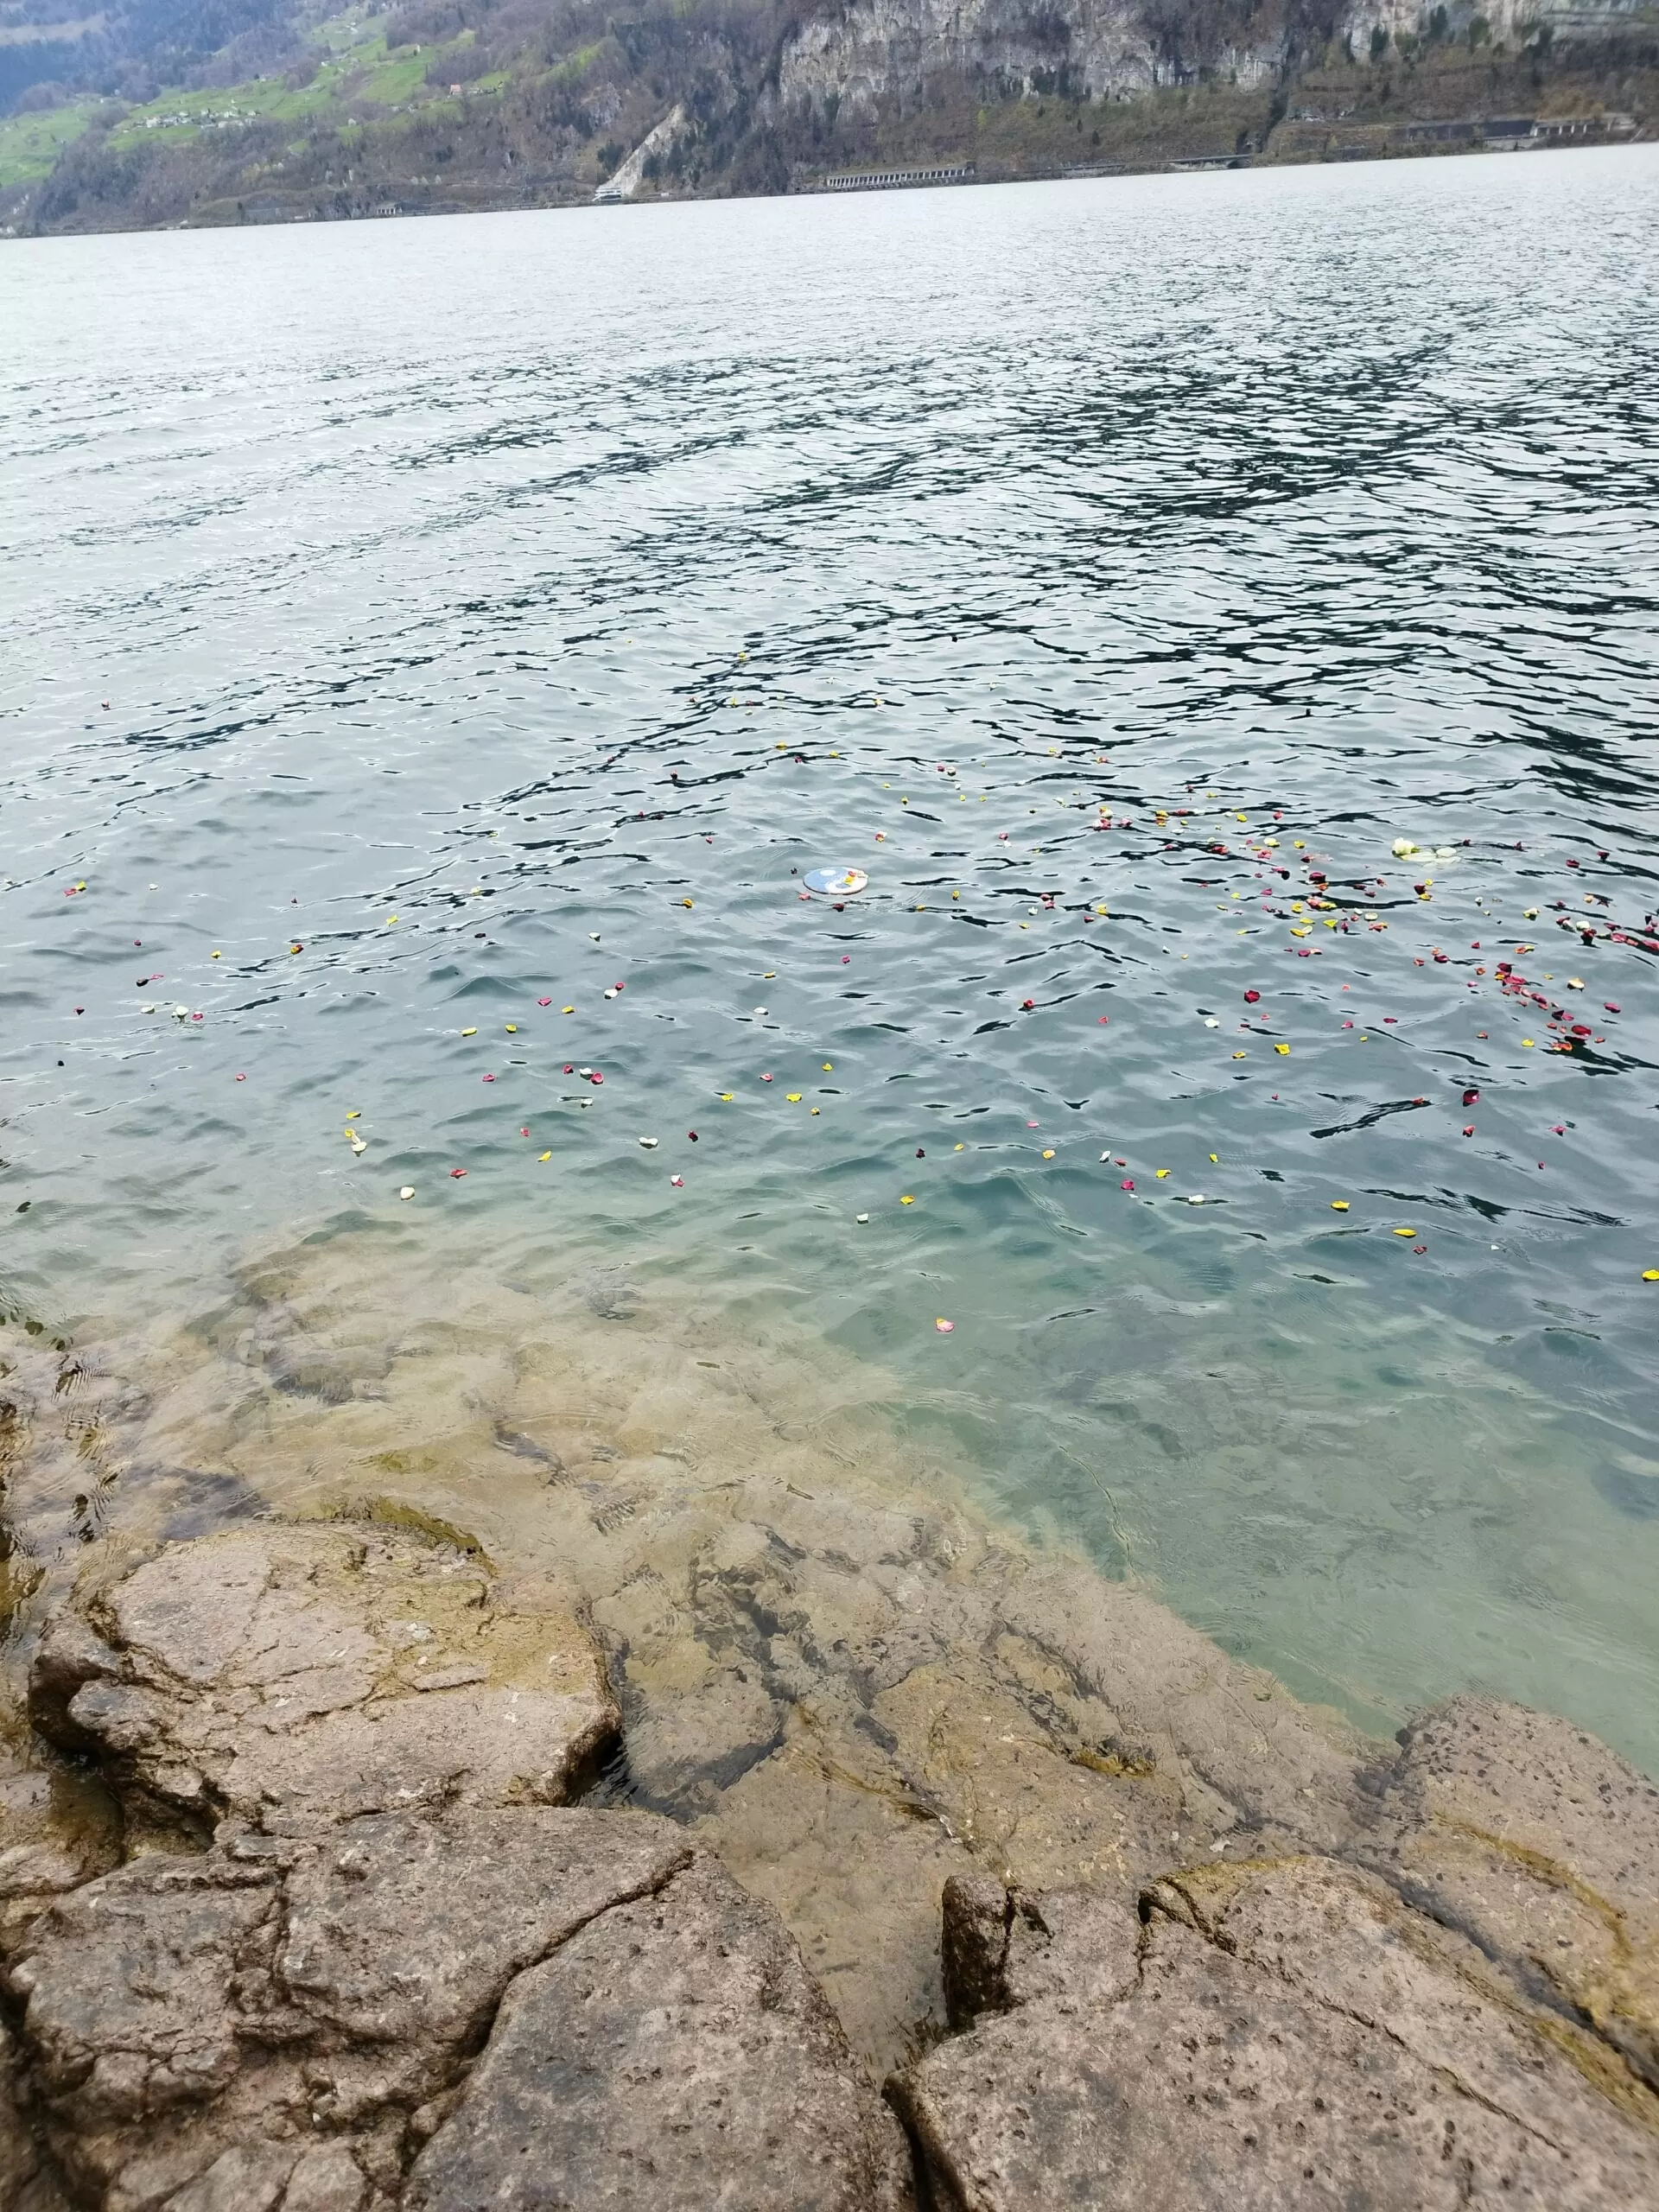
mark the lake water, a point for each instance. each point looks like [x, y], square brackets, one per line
[419, 629]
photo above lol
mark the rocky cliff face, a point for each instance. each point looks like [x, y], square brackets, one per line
[1512, 21]
[883, 51]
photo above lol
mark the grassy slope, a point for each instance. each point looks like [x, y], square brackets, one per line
[358, 74]
[30, 144]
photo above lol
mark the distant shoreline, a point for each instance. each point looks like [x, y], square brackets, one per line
[209, 160]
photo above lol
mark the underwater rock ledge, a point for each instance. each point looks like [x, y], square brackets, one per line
[329, 1935]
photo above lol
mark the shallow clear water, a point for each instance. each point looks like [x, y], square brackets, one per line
[566, 586]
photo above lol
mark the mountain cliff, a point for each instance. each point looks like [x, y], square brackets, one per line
[213, 111]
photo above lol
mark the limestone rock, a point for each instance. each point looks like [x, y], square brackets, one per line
[876, 50]
[975, 1913]
[1543, 1846]
[284, 1677]
[59, 1827]
[1004, 1948]
[674, 2055]
[197, 2022]
[24, 2186]
[1244, 1750]
[855, 1867]
[1292, 2036]
[278, 2025]
[857, 1703]
[824, 1654]
[690, 1744]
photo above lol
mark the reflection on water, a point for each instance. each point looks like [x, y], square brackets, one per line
[431, 630]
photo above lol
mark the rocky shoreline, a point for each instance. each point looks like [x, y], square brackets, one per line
[299, 1911]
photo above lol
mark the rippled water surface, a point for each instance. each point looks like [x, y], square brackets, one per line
[422, 631]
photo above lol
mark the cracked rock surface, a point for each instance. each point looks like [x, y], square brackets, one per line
[674, 2054]
[396, 1976]
[300, 1916]
[26, 2185]
[1539, 1843]
[285, 2023]
[283, 1679]
[1466, 2019]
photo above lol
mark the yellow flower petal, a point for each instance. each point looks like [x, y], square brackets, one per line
[469, 1033]
[1405, 1232]
[1282, 1048]
[1162, 1171]
[906, 1202]
[1339, 1205]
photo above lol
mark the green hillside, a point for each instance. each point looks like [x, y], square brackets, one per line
[462, 104]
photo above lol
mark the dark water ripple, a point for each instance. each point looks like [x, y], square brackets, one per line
[527, 578]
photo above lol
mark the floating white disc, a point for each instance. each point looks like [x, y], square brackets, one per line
[837, 882]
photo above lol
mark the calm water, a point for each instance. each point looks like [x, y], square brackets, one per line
[414, 623]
